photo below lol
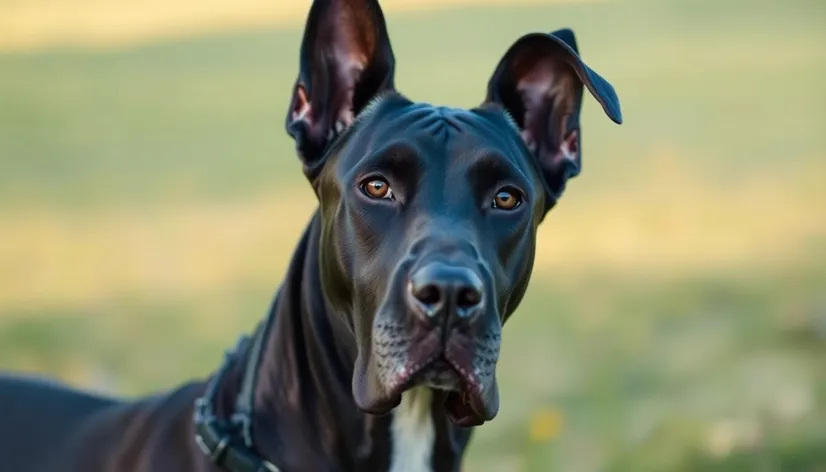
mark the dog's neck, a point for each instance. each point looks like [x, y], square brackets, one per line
[305, 417]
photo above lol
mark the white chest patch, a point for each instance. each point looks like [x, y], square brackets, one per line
[413, 432]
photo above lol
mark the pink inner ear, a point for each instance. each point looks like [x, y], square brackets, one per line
[543, 80]
[530, 142]
[568, 149]
[350, 66]
[547, 87]
[301, 105]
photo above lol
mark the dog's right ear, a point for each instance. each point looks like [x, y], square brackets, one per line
[345, 61]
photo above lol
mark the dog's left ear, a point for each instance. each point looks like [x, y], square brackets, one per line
[539, 82]
[345, 60]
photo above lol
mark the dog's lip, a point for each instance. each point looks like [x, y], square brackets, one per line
[470, 394]
[409, 375]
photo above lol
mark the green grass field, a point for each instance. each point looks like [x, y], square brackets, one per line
[150, 199]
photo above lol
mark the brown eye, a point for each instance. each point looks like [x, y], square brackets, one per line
[377, 188]
[507, 199]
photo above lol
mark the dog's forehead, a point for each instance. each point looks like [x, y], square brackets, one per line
[393, 118]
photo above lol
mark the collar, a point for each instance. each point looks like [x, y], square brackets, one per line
[228, 444]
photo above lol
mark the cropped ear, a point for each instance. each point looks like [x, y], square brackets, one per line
[539, 83]
[345, 61]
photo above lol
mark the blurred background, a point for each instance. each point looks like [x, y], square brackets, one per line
[150, 200]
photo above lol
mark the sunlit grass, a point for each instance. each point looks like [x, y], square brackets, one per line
[36, 24]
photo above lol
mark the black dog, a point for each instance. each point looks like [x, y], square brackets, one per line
[422, 247]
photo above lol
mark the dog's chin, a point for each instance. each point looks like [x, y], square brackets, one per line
[464, 402]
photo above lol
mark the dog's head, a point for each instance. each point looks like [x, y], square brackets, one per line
[429, 214]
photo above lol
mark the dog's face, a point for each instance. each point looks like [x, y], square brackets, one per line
[429, 214]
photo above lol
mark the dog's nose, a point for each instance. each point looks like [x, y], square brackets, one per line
[438, 289]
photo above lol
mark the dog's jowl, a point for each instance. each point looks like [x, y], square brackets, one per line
[380, 349]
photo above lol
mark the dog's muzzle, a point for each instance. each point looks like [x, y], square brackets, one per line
[438, 326]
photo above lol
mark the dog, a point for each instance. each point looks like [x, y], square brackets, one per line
[380, 347]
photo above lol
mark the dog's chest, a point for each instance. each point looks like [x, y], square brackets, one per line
[414, 433]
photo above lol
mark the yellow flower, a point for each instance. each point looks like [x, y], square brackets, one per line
[546, 425]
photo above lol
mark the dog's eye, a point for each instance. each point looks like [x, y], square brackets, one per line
[507, 198]
[377, 188]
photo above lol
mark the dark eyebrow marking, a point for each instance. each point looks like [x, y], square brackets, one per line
[400, 160]
[489, 168]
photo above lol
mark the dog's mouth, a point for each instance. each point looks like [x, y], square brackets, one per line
[463, 401]
[463, 408]
[460, 368]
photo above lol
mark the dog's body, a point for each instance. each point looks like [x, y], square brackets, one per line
[305, 421]
[379, 350]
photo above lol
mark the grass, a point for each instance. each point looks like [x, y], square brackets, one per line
[149, 202]
[35, 24]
